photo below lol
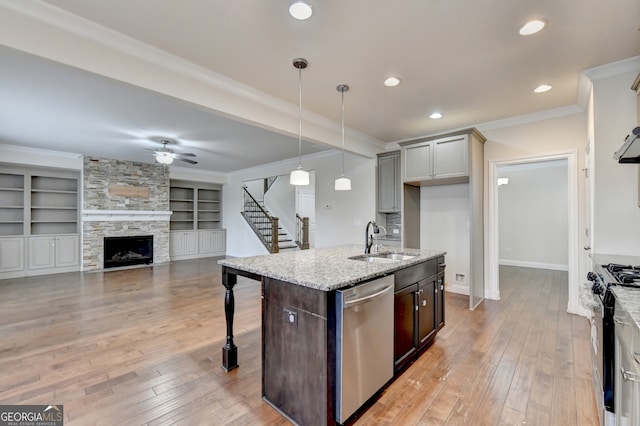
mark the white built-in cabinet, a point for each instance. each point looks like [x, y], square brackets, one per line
[38, 221]
[60, 251]
[196, 222]
[11, 255]
[389, 182]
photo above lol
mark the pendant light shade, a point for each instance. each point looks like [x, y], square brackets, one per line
[342, 183]
[299, 176]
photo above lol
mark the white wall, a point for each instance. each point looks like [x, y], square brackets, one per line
[341, 216]
[616, 221]
[533, 211]
[281, 201]
[444, 225]
[562, 136]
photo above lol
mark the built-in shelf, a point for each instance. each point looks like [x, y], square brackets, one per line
[195, 205]
[38, 201]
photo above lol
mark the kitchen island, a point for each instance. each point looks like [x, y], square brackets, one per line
[299, 331]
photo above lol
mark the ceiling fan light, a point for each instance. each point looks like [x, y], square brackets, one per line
[164, 157]
[300, 10]
[299, 177]
[342, 184]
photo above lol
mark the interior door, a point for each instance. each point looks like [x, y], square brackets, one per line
[307, 208]
[589, 207]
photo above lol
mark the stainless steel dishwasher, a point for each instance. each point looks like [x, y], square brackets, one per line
[364, 344]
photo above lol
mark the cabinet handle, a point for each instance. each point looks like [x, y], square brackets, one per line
[442, 265]
[424, 303]
[628, 376]
[442, 287]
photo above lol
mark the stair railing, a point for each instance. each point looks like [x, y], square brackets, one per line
[302, 232]
[264, 225]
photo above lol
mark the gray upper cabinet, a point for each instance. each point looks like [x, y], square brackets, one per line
[389, 182]
[452, 158]
[444, 159]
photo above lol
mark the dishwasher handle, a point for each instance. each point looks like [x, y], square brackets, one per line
[368, 297]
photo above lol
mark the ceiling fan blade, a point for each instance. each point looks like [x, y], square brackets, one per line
[186, 160]
[187, 154]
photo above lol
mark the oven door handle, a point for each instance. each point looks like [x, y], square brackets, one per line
[628, 376]
[618, 320]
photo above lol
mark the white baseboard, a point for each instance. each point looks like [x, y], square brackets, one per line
[538, 265]
[457, 288]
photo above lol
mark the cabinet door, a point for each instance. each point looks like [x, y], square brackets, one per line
[418, 162]
[41, 252]
[440, 302]
[450, 158]
[404, 324]
[207, 242]
[387, 184]
[11, 254]
[397, 182]
[67, 251]
[426, 311]
[176, 244]
[220, 241]
[191, 243]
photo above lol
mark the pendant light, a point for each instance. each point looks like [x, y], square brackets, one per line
[342, 183]
[299, 176]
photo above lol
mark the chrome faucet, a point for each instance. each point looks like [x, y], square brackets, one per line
[368, 238]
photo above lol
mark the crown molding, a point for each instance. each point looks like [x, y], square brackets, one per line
[625, 66]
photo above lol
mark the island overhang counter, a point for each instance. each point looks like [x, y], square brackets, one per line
[299, 317]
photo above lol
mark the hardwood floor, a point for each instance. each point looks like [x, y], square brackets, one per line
[143, 346]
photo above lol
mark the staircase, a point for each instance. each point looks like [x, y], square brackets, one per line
[266, 226]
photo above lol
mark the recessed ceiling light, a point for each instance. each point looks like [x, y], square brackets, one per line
[542, 88]
[435, 115]
[392, 82]
[532, 27]
[300, 10]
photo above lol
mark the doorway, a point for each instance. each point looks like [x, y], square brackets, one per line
[568, 162]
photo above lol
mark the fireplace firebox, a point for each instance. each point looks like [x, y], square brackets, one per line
[127, 251]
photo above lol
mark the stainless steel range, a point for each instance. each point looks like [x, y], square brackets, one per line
[602, 278]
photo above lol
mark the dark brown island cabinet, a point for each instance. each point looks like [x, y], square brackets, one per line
[299, 332]
[419, 308]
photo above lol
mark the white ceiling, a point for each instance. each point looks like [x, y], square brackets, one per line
[462, 58]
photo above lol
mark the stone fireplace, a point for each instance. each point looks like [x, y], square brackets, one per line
[123, 199]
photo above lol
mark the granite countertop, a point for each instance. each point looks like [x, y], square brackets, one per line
[628, 298]
[325, 269]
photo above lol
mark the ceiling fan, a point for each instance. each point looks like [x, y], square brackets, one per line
[166, 155]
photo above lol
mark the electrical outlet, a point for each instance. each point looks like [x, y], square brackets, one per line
[460, 277]
[291, 317]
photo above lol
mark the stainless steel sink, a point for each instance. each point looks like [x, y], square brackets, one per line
[384, 257]
[396, 256]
